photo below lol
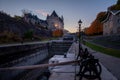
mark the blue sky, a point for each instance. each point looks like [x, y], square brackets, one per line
[72, 10]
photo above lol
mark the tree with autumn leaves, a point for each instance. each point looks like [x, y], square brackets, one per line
[96, 28]
[57, 33]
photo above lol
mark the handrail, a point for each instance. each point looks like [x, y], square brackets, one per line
[39, 66]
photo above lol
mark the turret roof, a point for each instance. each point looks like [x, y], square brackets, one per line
[54, 14]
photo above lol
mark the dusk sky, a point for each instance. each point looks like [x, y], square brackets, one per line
[72, 10]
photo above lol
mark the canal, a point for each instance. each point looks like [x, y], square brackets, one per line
[25, 55]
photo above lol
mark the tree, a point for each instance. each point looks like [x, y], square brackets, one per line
[57, 33]
[96, 28]
[28, 34]
[101, 16]
[115, 7]
[17, 17]
[26, 11]
[118, 2]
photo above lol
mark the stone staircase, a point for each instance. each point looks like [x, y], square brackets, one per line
[60, 48]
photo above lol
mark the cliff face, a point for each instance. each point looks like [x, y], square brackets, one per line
[18, 27]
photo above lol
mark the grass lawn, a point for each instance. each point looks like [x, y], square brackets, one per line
[109, 51]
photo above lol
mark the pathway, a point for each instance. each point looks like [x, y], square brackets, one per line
[110, 62]
[67, 72]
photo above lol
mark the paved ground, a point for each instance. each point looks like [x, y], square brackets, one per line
[67, 72]
[110, 62]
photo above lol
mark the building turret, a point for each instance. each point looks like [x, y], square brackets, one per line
[54, 14]
[62, 18]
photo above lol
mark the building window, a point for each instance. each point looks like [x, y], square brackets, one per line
[118, 20]
[118, 30]
[56, 25]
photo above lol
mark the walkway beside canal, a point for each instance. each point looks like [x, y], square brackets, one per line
[111, 63]
[67, 72]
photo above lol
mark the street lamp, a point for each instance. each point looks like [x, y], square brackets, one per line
[79, 23]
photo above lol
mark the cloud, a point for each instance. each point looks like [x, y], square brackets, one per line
[41, 12]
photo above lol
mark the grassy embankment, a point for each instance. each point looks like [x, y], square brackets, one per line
[109, 51]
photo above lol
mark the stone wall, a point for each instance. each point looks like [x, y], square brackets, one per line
[31, 54]
[27, 54]
[13, 52]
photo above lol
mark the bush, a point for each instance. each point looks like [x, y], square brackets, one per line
[7, 37]
[28, 34]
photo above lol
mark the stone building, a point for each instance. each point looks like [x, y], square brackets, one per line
[55, 22]
[30, 18]
[52, 22]
[111, 25]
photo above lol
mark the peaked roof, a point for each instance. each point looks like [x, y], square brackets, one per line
[54, 14]
[113, 12]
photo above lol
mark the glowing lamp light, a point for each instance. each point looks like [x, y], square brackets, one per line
[56, 25]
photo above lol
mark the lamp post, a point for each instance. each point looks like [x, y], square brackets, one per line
[79, 23]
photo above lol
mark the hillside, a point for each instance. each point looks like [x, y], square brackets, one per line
[16, 29]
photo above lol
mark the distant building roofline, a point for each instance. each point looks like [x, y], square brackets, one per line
[113, 12]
